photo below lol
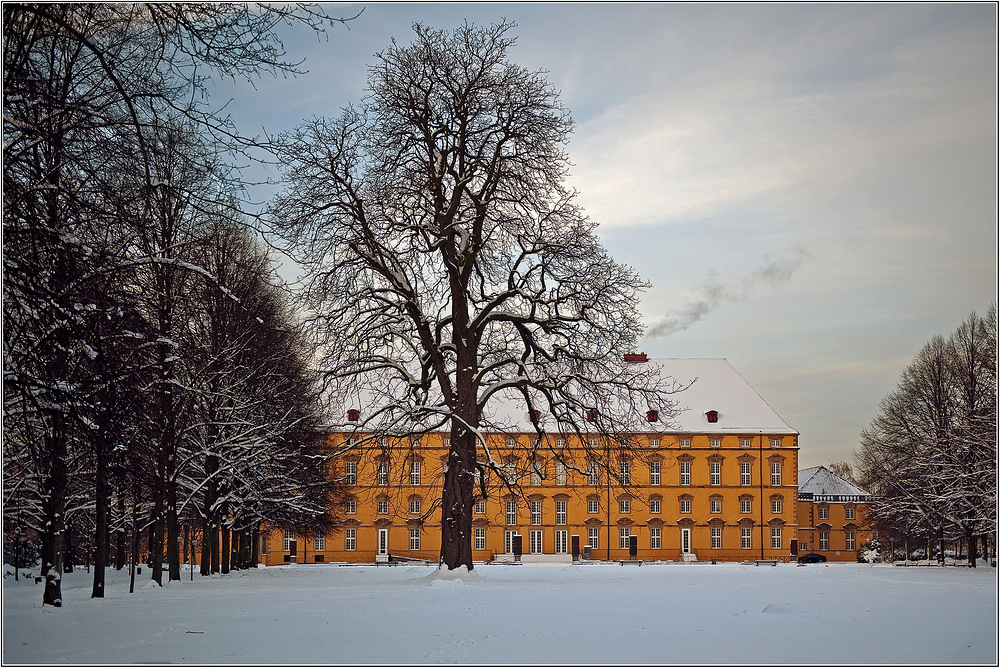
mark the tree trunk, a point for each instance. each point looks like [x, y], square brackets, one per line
[68, 561]
[100, 521]
[173, 535]
[53, 506]
[457, 500]
[225, 547]
[971, 542]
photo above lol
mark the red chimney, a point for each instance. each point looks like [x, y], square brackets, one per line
[713, 416]
[652, 416]
[635, 357]
[353, 414]
[591, 415]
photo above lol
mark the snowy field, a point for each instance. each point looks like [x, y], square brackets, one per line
[526, 614]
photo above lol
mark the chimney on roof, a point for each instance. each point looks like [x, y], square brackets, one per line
[353, 415]
[713, 416]
[635, 357]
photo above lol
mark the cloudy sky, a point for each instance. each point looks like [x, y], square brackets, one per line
[811, 189]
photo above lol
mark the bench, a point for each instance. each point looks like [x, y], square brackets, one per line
[630, 562]
[766, 562]
[386, 563]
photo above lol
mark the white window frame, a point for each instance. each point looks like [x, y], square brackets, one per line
[350, 539]
[775, 442]
[286, 540]
[382, 474]
[685, 506]
[776, 506]
[624, 472]
[414, 506]
[746, 442]
[535, 545]
[593, 475]
[414, 539]
[414, 473]
[561, 537]
[685, 473]
[382, 507]
[593, 537]
[746, 538]
[824, 513]
[350, 507]
[746, 506]
[775, 474]
[715, 473]
[508, 541]
[351, 473]
[654, 506]
[824, 541]
[715, 506]
[775, 538]
[319, 542]
[655, 542]
[849, 539]
[560, 473]
[715, 442]
[624, 533]
[654, 442]
[848, 513]
[536, 513]
[684, 442]
[654, 473]
[511, 514]
[480, 506]
[560, 512]
[480, 538]
[716, 538]
[624, 506]
[593, 506]
[536, 473]
[746, 473]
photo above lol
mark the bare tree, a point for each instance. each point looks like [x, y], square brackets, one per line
[449, 265]
[929, 456]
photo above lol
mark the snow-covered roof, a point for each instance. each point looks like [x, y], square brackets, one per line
[713, 385]
[820, 481]
[709, 385]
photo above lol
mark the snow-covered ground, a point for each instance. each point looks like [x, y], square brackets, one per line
[527, 614]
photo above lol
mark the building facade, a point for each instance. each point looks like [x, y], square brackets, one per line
[833, 515]
[718, 481]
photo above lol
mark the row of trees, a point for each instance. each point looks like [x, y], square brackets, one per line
[930, 455]
[154, 376]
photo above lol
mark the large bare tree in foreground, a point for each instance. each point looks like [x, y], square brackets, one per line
[447, 262]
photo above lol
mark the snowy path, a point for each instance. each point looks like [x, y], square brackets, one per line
[659, 613]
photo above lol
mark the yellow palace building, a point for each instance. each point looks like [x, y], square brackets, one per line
[718, 481]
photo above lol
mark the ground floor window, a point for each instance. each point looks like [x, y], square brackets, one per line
[508, 542]
[623, 537]
[535, 541]
[319, 542]
[561, 536]
[654, 538]
[592, 536]
[775, 538]
[746, 537]
[824, 540]
[849, 537]
[350, 539]
[480, 539]
[414, 539]
[716, 538]
[286, 543]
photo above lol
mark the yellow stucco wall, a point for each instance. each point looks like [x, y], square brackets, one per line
[685, 505]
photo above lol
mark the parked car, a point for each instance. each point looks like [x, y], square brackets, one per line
[812, 558]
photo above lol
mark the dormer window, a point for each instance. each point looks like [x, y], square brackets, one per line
[652, 416]
[353, 414]
[712, 416]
